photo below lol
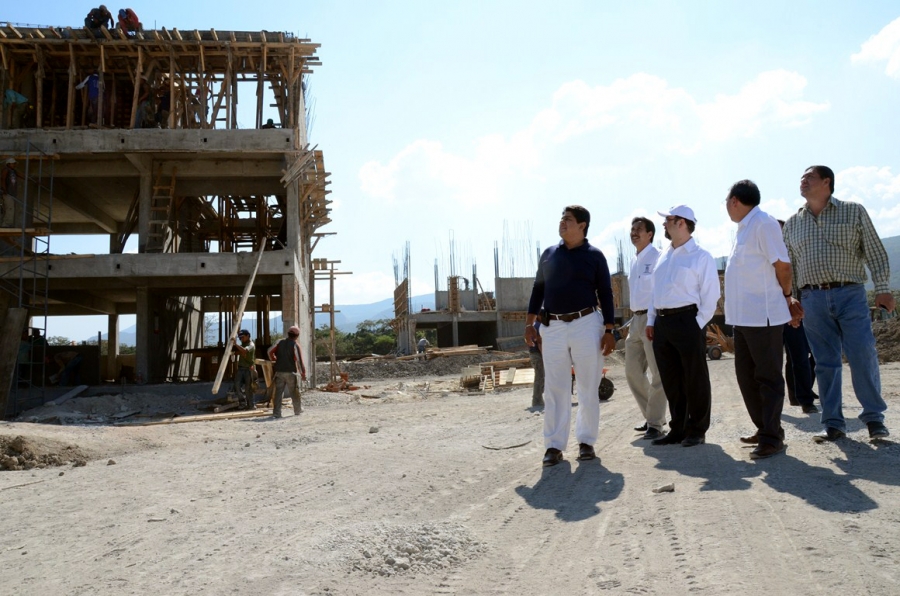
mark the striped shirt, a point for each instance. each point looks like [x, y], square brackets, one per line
[836, 246]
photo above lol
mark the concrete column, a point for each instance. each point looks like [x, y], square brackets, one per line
[290, 301]
[112, 347]
[293, 219]
[144, 213]
[144, 320]
[455, 330]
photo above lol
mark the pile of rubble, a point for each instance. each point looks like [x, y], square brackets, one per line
[388, 550]
[21, 453]
[887, 339]
[388, 368]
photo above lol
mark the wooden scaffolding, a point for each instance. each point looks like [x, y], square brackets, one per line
[178, 79]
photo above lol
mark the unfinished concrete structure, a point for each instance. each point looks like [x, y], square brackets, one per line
[465, 314]
[151, 149]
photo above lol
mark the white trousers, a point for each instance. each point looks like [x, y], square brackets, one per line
[639, 360]
[565, 345]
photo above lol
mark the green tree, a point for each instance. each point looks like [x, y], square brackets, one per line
[59, 340]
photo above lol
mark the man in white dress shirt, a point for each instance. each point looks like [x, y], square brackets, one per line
[757, 304]
[685, 293]
[639, 358]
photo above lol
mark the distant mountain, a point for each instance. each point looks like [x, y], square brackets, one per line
[352, 314]
[892, 245]
[346, 320]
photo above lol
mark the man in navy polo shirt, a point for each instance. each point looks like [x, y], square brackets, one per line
[572, 278]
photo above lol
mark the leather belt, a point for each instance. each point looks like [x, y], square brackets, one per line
[571, 316]
[640, 312]
[829, 285]
[664, 312]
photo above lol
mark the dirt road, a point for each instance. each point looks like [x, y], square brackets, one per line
[428, 491]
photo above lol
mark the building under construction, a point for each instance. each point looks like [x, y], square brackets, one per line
[137, 139]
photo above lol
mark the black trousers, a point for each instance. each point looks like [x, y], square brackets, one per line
[680, 349]
[757, 364]
[799, 369]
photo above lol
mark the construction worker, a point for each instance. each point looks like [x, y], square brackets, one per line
[289, 370]
[243, 379]
[92, 82]
[8, 184]
[129, 22]
[69, 364]
[97, 18]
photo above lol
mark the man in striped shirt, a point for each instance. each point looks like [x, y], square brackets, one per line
[830, 242]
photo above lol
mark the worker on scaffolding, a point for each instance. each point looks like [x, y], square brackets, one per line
[97, 18]
[129, 22]
[243, 379]
[8, 184]
[18, 105]
[92, 82]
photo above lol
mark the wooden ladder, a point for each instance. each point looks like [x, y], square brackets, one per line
[161, 213]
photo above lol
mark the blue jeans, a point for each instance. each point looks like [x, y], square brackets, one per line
[838, 321]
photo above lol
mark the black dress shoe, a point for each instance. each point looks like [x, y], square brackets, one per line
[641, 428]
[752, 439]
[692, 441]
[652, 434]
[810, 409]
[586, 452]
[766, 450]
[829, 434]
[877, 430]
[669, 439]
[552, 457]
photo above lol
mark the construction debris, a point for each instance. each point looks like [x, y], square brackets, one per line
[342, 385]
[887, 339]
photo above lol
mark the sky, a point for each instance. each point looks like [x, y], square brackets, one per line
[457, 127]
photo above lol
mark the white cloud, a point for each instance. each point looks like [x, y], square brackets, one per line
[884, 46]
[618, 125]
[876, 188]
[773, 97]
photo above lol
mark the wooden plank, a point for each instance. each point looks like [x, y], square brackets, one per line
[137, 88]
[68, 395]
[199, 418]
[239, 315]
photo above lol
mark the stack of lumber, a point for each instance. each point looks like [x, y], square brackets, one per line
[458, 351]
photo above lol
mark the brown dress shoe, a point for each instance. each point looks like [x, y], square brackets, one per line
[752, 439]
[767, 450]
